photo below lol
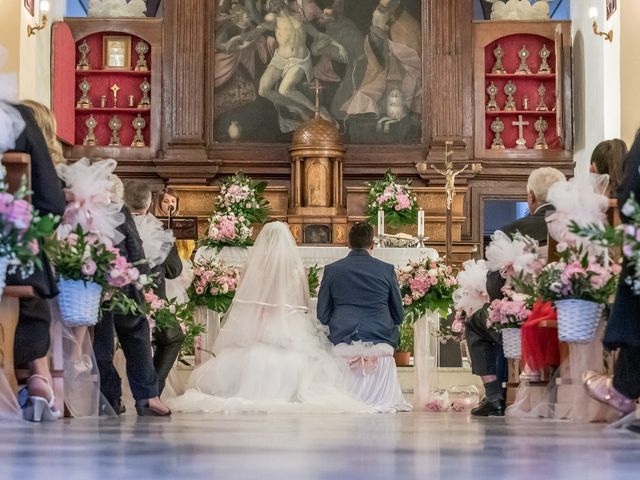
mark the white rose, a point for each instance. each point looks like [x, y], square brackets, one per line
[432, 272]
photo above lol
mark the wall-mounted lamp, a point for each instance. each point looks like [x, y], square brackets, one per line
[44, 10]
[593, 15]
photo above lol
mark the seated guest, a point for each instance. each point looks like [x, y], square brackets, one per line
[485, 344]
[623, 328]
[166, 265]
[608, 158]
[360, 301]
[133, 334]
[32, 334]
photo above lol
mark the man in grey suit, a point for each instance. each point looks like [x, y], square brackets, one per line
[359, 296]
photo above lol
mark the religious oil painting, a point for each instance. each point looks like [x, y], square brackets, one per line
[366, 54]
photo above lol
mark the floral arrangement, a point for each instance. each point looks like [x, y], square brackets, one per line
[578, 275]
[509, 312]
[214, 285]
[626, 235]
[240, 204]
[313, 275]
[21, 229]
[81, 256]
[400, 206]
[426, 285]
[163, 314]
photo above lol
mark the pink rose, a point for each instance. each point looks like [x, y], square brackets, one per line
[72, 239]
[199, 290]
[20, 214]
[89, 268]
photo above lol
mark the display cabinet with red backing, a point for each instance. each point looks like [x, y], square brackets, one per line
[122, 69]
[522, 81]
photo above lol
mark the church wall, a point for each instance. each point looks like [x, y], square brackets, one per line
[35, 54]
[589, 82]
[628, 16]
[9, 35]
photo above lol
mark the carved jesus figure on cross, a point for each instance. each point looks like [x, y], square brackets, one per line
[450, 175]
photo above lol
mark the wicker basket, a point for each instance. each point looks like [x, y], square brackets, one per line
[578, 320]
[511, 343]
[79, 302]
[4, 265]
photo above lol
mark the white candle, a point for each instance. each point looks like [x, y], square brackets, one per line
[421, 223]
[380, 222]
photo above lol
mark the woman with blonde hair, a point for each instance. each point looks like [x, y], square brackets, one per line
[47, 123]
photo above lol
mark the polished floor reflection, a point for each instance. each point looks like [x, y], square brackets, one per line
[300, 447]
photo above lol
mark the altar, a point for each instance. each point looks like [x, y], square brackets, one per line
[321, 256]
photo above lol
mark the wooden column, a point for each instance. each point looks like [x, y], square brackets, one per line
[450, 80]
[186, 51]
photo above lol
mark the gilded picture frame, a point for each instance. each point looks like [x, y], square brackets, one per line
[116, 52]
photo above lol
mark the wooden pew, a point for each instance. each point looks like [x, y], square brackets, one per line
[18, 166]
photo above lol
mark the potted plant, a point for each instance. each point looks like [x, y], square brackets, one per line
[579, 284]
[507, 315]
[405, 346]
[91, 275]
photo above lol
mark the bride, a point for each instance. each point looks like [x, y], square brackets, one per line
[272, 354]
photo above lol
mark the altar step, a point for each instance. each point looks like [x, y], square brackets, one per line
[447, 378]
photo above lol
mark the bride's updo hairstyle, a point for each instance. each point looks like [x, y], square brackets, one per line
[361, 236]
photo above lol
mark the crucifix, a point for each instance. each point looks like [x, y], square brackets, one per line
[521, 142]
[316, 87]
[114, 88]
[450, 188]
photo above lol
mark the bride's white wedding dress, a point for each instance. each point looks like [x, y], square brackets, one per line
[271, 355]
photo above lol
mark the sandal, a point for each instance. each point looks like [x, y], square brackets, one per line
[600, 388]
[36, 408]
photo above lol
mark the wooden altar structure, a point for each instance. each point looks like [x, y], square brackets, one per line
[184, 151]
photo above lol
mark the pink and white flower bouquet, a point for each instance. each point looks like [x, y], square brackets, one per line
[426, 285]
[508, 312]
[399, 204]
[214, 285]
[21, 228]
[163, 314]
[578, 275]
[82, 257]
[240, 204]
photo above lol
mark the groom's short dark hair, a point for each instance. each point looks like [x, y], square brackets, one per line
[361, 235]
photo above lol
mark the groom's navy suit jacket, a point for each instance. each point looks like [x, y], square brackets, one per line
[360, 299]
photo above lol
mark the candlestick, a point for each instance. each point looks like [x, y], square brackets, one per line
[380, 222]
[421, 223]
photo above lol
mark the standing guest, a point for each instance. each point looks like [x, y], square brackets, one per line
[167, 204]
[484, 343]
[133, 333]
[623, 328]
[32, 340]
[165, 265]
[608, 158]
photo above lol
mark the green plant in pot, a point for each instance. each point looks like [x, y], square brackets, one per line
[405, 347]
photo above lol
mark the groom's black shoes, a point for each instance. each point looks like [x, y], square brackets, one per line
[488, 408]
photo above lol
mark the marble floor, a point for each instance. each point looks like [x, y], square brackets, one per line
[300, 447]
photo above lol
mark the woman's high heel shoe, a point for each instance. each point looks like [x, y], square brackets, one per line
[37, 408]
[600, 387]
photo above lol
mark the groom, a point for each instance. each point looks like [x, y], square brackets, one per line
[359, 296]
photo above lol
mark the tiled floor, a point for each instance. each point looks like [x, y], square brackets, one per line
[300, 447]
